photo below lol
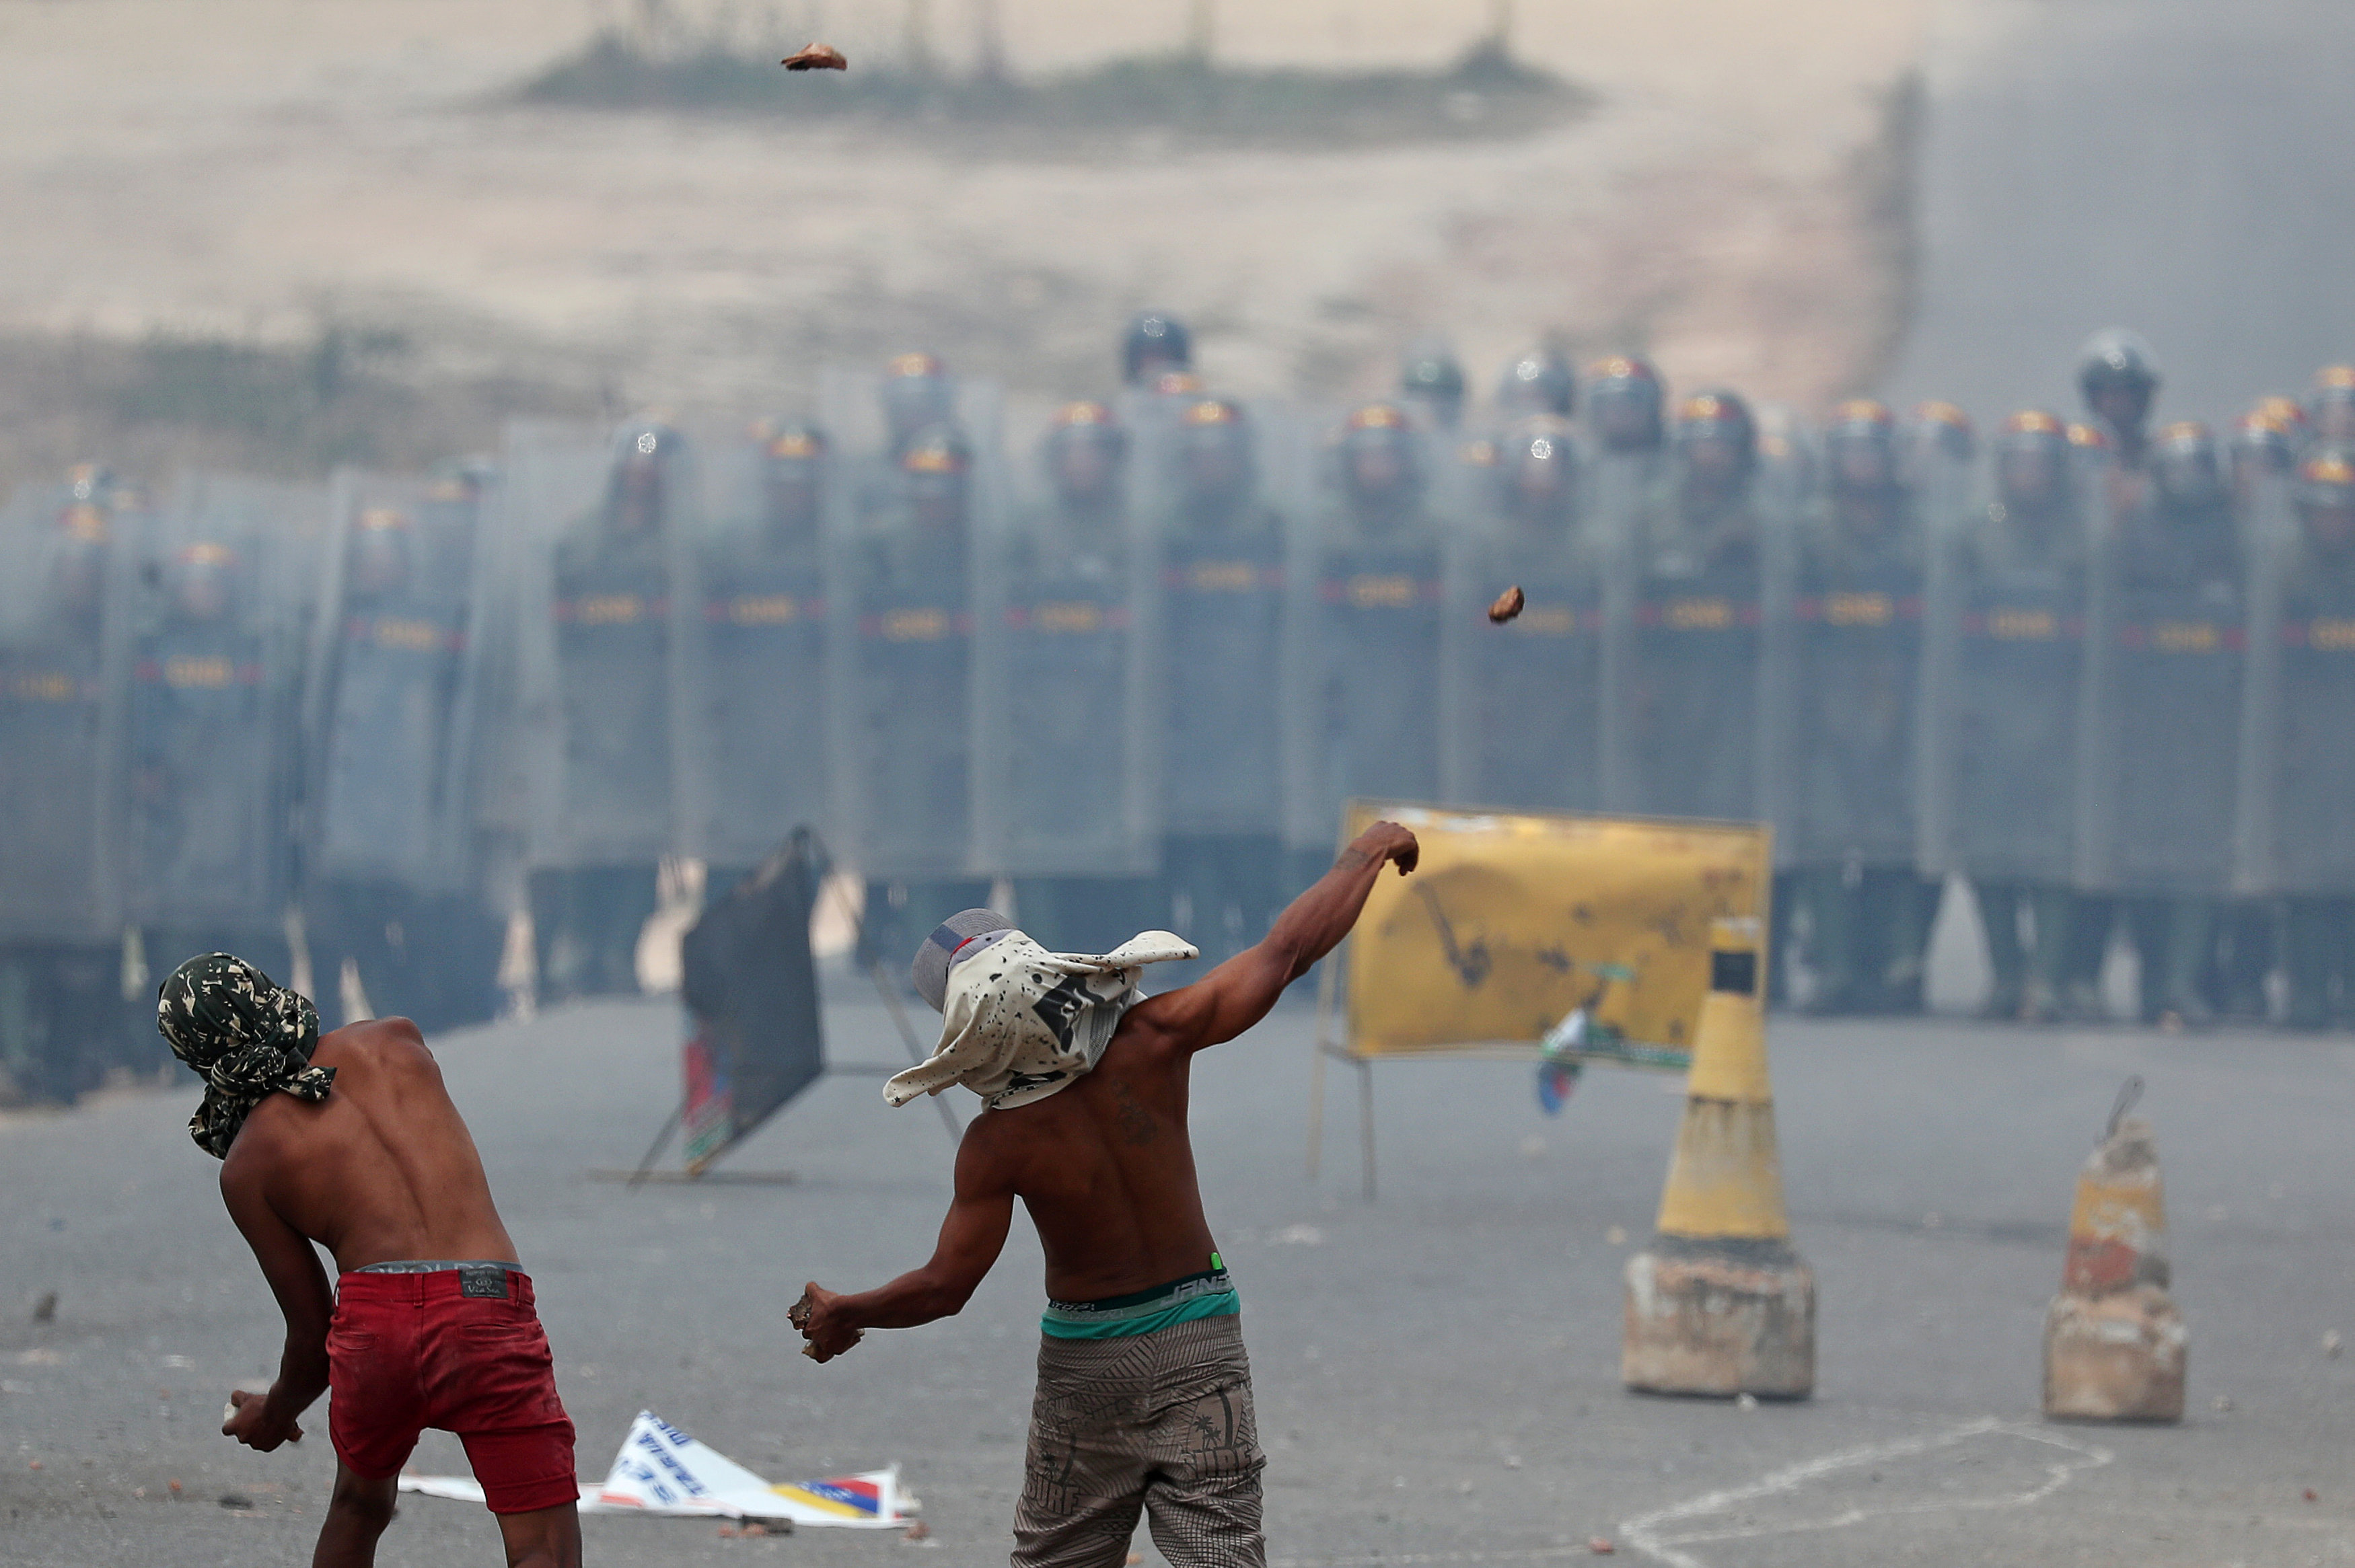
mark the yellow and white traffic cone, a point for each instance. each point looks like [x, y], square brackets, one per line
[1720, 1303]
[2114, 1345]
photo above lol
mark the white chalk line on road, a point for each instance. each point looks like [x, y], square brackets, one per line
[1653, 1535]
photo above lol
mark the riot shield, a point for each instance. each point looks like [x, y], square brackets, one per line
[1856, 617]
[1218, 615]
[757, 664]
[391, 686]
[908, 651]
[1378, 581]
[2009, 752]
[2268, 539]
[1696, 663]
[64, 682]
[598, 621]
[1067, 786]
[1523, 702]
[1944, 499]
[2303, 694]
[214, 733]
[1621, 496]
[2173, 615]
[750, 987]
[1785, 498]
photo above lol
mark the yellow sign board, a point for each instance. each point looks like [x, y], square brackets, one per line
[1514, 920]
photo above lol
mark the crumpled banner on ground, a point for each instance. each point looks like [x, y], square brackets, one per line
[661, 1471]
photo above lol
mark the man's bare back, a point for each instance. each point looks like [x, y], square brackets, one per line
[380, 1171]
[1106, 1171]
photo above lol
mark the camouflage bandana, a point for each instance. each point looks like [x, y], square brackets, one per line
[251, 1039]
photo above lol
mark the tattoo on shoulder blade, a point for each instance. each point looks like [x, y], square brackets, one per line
[1137, 1123]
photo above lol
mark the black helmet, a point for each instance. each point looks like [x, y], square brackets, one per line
[1943, 430]
[2186, 466]
[2326, 478]
[1153, 336]
[1862, 426]
[917, 393]
[1718, 416]
[1378, 426]
[1624, 402]
[2116, 358]
[1429, 372]
[1539, 382]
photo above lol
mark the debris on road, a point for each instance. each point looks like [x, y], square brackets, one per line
[1602, 1546]
[45, 1310]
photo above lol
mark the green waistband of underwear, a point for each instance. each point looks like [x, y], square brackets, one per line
[1188, 1300]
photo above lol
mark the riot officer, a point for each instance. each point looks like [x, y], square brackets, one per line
[2118, 375]
[63, 1022]
[2318, 719]
[614, 643]
[1858, 650]
[2011, 755]
[1222, 573]
[1696, 655]
[1379, 581]
[914, 689]
[2174, 705]
[1074, 782]
[1538, 382]
[2334, 404]
[763, 723]
[1154, 342]
[1431, 382]
[394, 889]
[1528, 728]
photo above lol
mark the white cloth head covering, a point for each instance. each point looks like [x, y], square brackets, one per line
[1020, 1023]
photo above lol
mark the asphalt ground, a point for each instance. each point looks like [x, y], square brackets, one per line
[1436, 1371]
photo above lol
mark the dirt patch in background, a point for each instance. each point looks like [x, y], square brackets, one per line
[256, 178]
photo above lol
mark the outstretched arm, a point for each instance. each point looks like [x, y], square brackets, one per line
[263, 1421]
[1239, 993]
[970, 1238]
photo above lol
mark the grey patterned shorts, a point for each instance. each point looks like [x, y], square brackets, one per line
[1161, 1423]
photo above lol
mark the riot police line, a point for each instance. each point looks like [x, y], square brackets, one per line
[2103, 674]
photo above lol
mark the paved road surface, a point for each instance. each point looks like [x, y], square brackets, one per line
[1437, 1373]
[2174, 166]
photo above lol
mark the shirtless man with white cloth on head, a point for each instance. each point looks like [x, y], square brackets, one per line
[1145, 1398]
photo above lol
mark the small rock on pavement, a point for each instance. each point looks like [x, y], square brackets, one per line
[2332, 1344]
[1135, 1558]
[919, 1530]
[174, 1485]
[45, 1310]
[2222, 1402]
[1745, 1402]
[2311, 1496]
[1602, 1545]
[235, 1499]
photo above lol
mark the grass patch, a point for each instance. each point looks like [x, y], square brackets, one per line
[1485, 96]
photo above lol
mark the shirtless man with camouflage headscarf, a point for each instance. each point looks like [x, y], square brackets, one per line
[350, 1142]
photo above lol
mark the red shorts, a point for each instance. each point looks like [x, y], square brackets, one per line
[406, 1351]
